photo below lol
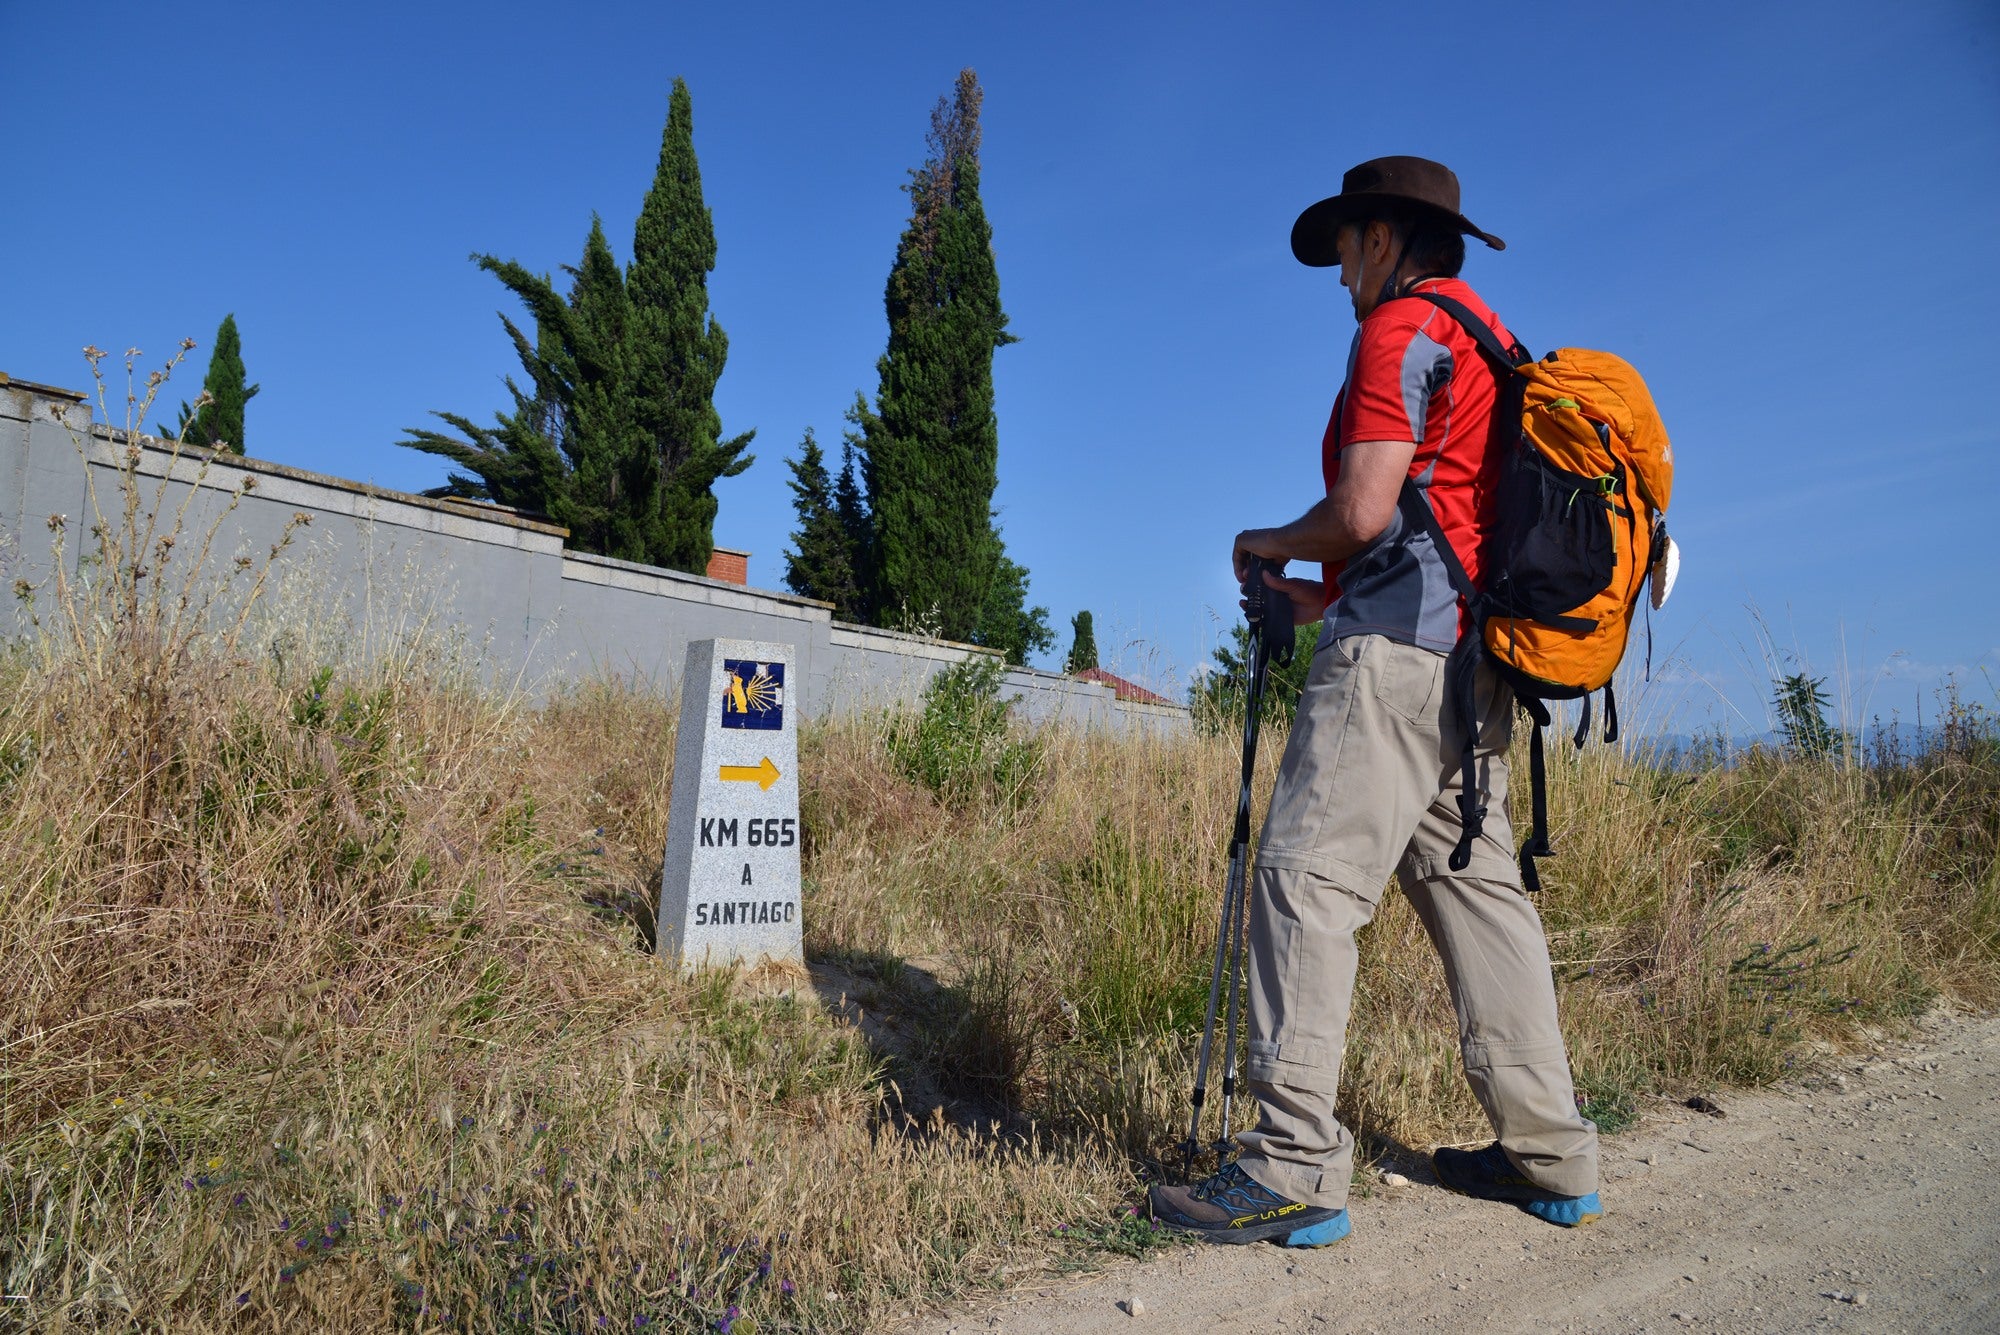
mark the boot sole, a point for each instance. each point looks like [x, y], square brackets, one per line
[1563, 1212]
[1283, 1232]
[1323, 1234]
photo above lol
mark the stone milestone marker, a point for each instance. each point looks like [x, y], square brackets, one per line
[729, 892]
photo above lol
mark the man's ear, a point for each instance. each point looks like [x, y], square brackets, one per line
[1380, 242]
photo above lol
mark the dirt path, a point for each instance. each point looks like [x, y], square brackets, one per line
[1866, 1199]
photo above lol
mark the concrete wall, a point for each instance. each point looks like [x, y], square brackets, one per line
[379, 564]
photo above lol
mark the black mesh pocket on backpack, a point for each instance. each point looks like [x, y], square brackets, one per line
[1556, 546]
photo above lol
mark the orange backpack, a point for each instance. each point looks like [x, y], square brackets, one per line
[1583, 492]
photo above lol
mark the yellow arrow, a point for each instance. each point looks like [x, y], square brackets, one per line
[763, 774]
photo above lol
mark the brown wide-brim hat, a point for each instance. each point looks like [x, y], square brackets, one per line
[1403, 181]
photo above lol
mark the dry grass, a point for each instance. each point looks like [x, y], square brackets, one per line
[1706, 921]
[326, 1003]
[327, 1030]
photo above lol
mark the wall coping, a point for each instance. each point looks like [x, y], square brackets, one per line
[876, 632]
[168, 451]
[250, 464]
[683, 577]
[1056, 680]
[1148, 707]
[35, 387]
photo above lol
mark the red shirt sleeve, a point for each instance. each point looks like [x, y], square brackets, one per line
[1392, 369]
[1396, 366]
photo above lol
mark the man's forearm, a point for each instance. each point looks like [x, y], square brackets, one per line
[1349, 517]
[1327, 532]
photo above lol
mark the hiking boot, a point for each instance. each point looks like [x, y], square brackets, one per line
[1231, 1207]
[1491, 1176]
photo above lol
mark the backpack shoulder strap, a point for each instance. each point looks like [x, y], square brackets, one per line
[1419, 516]
[1460, 673]
[1481, 332]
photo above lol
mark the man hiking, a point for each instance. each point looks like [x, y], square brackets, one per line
[1371, 777]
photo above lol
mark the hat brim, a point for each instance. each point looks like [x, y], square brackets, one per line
[1314, 233]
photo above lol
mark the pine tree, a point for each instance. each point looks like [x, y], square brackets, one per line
[820, 564]
[857, 528]
[1801, 702]
[1082, 645]
[615, 435]
[571, 449]
[218, 423]
[521, 461]
[931, 444]
[677, 349]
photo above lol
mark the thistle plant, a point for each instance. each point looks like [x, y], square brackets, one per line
[146, 590]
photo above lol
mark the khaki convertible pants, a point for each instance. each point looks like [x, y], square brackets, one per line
[1368, 786]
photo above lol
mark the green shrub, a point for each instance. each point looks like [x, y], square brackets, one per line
[960, 745]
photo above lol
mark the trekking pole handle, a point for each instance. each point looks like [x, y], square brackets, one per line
[1255, 591]
[1268, 611]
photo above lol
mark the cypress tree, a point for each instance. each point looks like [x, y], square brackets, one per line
[821, 563]
[614, 492]
[677, 349]
[931, 445]
[218, 424]
[1082, 645]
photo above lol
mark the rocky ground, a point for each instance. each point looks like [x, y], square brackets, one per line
[1862, 1198]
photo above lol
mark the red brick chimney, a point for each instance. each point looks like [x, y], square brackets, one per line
[729, 565]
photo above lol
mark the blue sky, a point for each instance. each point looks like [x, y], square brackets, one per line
[1783, 214]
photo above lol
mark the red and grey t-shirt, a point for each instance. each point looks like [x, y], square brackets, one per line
[1414, 374]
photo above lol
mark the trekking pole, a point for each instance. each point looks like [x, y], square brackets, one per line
[1233, 928]
[1239, 862]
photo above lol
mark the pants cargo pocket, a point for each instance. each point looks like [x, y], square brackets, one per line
[1413, 686]
[1295, 1065]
